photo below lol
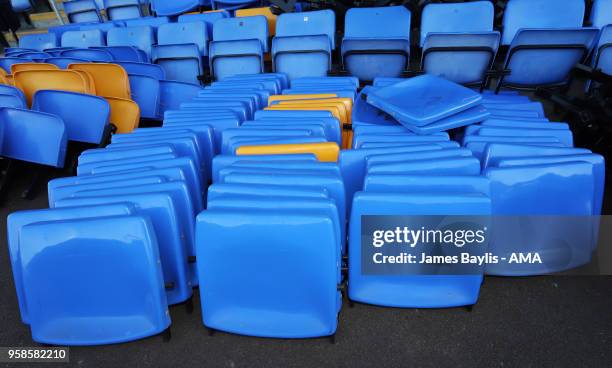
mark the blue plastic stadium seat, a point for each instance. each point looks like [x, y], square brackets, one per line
[20, 6]
[145, 92]
[153, 22]
[303, 43]
[173, 94]
[256, 306]
[602, 58]
[38, 42]
[7, 62]
[82, 11]
[33, 136]
[122, 9]
[460, 57]
[83, 39]
[548, 14]
[124, 53]
[238, 46]
[149, 70]
[13, 96]
[88, 54]
[516, 191]
[532, 61]
[175, 7]
[72, 108]
[163, 210]
[141, 37]
[376, 42]
[412, 291]
[12, 101]
[234, 4]
[209, 18]
[63, 62]
[17, 220]
[61, 266]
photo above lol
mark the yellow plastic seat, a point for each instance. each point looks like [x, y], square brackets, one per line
[32, 66]
[346, 102]
[91, 84]
[111, 80]
[30, 81]
[265, 11]
[10, 80]
[325, 152]
[275, 98]
[125, 114]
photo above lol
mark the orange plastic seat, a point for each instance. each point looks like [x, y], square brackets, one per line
[91, 84]
[325, 152]
[313, 96]
[32, 66]
[3, 79]
[266, 12]
[125, 114]
[111, 80]
[30, 81]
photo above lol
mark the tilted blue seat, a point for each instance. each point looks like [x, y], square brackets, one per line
[102, 56]
[123, 53]
[517, 192]
[411, 290]
[61, 265]
[396, 161]
[141, 37]
[376, 42]
[12, 91]
[453, 165]
[163, 211]
[69, 191]
[33, 136]
[393, 183]
[93, 167]
[258, 307]
[303, 43]
[226, 190]
[238, 46]
[220, 162]
[173, 94]
[175, 7]
[122, 9]
[82, 11]
[63, 62]
[564, 136]
[218, 123]
[496, 151]
[38, 42]
[12, 101]
[209, 18]
[145, 92]
[85, 117]
[146, 69]
[17, 220]
[7, 62]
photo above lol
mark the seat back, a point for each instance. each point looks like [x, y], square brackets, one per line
[33, 137]
[96, 55]
[184, 33]
[175, 7]
[551, 14]
[540, 57]
[265, 11]
[381, 22]
[82, 11]
[72, 108]
[38, 42]
[111, 80]
[150, 70]
[468, 17]
[601, 13]
[83, 39]
[145, 92]
[31, 81]
[208, 17]
[141, 37]
[237, 29]
[320, 22]
[7, 62]
[122, 9]
[32, 66]
[173, 94]
[124, 114]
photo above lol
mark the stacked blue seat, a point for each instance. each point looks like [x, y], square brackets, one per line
[238, 46]
[376, 42]
[341, 86]
[304, 43]
[397, 173]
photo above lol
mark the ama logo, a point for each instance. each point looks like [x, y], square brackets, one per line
[531, 258]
